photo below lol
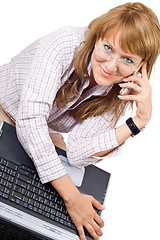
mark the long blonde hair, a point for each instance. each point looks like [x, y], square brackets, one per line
[139, 34]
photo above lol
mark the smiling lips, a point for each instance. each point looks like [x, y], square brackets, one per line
[106, 74]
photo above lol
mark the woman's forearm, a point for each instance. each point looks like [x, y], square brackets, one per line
[80, 207]
[122, 134]
[65, 187]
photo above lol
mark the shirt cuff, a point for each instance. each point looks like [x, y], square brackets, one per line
[115, 153]
[50, 170]
[106, 140]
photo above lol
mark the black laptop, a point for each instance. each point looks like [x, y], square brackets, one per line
[30, 210]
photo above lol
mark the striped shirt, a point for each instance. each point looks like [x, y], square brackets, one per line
[28, 86]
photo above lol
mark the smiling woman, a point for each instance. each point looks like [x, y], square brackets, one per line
[114, 64]
[122, 26]
[127, 63]
[69, 81]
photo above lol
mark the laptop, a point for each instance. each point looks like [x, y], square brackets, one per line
[30, 210]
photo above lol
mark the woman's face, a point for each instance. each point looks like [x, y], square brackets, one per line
[110, 64]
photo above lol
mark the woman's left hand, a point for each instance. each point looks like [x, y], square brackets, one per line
[141, 93]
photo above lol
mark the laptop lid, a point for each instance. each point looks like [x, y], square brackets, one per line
[94, 182]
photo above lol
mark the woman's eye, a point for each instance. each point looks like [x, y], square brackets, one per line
[128, 61]
[107, 48]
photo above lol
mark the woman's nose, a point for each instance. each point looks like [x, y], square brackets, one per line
[111, 65]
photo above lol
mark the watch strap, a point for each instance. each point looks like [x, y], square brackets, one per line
[132, 126]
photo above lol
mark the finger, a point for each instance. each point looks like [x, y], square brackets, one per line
[99, 220]
[135, 79]
[131, 87]
[81, 233]
[96, 228]
[97, 204]
[128, 97]
[92, 232]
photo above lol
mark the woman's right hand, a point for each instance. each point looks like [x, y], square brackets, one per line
[81, 210]
[80, 207]
[141, 94]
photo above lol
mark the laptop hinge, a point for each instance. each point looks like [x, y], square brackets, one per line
[1, 127]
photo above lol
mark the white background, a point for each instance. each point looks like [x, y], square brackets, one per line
[133, 198]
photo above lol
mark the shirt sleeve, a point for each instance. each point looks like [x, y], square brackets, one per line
[91, 136]
[52, 58]
[36, 101]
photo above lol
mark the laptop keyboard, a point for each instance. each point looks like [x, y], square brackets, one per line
[21, 185]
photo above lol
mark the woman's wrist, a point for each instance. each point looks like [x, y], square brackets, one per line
[123, 132]
[66, 188]
[139, 122]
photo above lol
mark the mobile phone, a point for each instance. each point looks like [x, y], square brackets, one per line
[126, 91]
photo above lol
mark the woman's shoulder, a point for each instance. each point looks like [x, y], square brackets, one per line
[73, 30]
[70, 32]
[64, 36]
[63, 41]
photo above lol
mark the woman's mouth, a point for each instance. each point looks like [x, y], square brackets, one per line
[106, 74]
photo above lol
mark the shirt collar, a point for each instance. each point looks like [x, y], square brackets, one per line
[89, 68]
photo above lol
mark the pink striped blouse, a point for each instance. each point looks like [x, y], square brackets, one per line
[28, 86]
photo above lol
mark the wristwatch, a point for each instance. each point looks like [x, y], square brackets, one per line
[132, 126]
